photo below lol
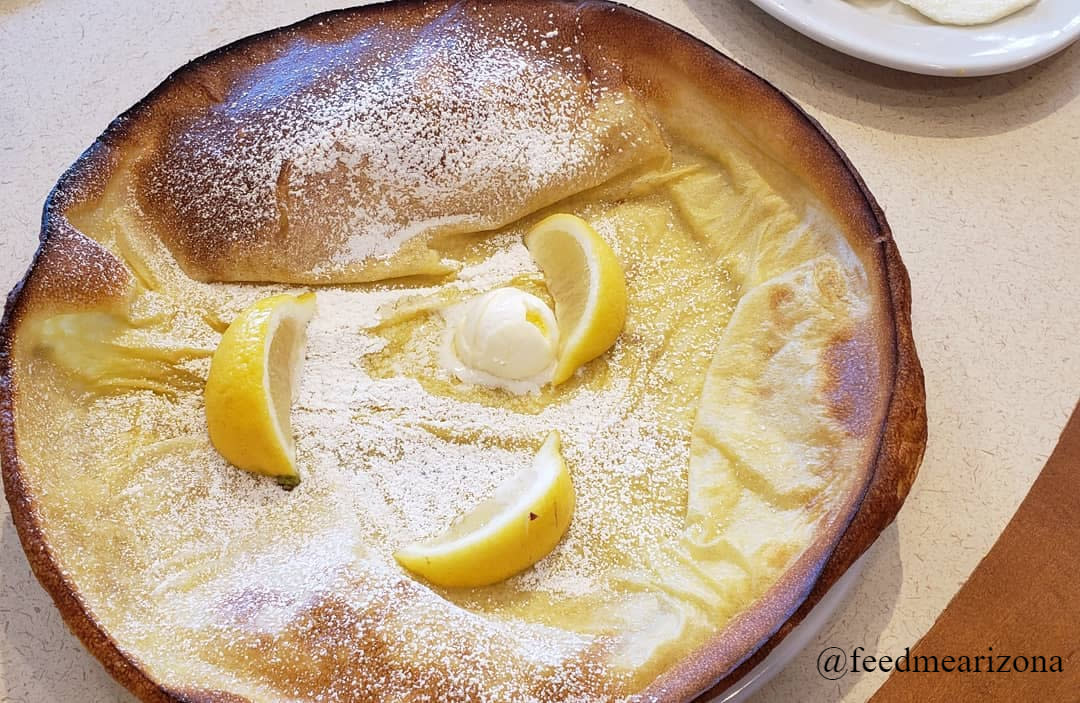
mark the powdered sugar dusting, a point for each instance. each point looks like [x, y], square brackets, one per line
[474, 122]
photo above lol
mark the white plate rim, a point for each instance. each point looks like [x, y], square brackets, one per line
[796, 640]
[849, 37]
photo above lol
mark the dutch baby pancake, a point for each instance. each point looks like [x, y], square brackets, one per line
[715, 378]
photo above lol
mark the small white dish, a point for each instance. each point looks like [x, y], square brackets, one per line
[889, 33]
[796, 640]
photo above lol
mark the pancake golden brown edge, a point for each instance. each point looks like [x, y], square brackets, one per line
[755, 427]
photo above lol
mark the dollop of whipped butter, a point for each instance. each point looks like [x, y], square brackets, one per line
[505, 338]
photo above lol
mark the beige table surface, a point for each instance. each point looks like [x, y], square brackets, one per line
[980, 180]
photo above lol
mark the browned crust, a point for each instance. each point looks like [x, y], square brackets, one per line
[878, 498]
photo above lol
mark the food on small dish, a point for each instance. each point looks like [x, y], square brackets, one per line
[967, 12]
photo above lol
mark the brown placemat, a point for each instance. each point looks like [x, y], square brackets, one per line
[1023, 600]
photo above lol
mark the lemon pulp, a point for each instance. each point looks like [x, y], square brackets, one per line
[250, 385]
[517, 527]
[586, 280]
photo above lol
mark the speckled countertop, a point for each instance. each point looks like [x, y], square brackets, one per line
[980, 179]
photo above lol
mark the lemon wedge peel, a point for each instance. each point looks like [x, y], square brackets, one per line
[588, 285]
[251, 382]
[507, 533]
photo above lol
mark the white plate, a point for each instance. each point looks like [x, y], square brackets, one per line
[803, 634]
[891, 34]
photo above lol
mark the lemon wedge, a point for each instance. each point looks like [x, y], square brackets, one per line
[587, 283]
[250, 387]
[505, 534]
